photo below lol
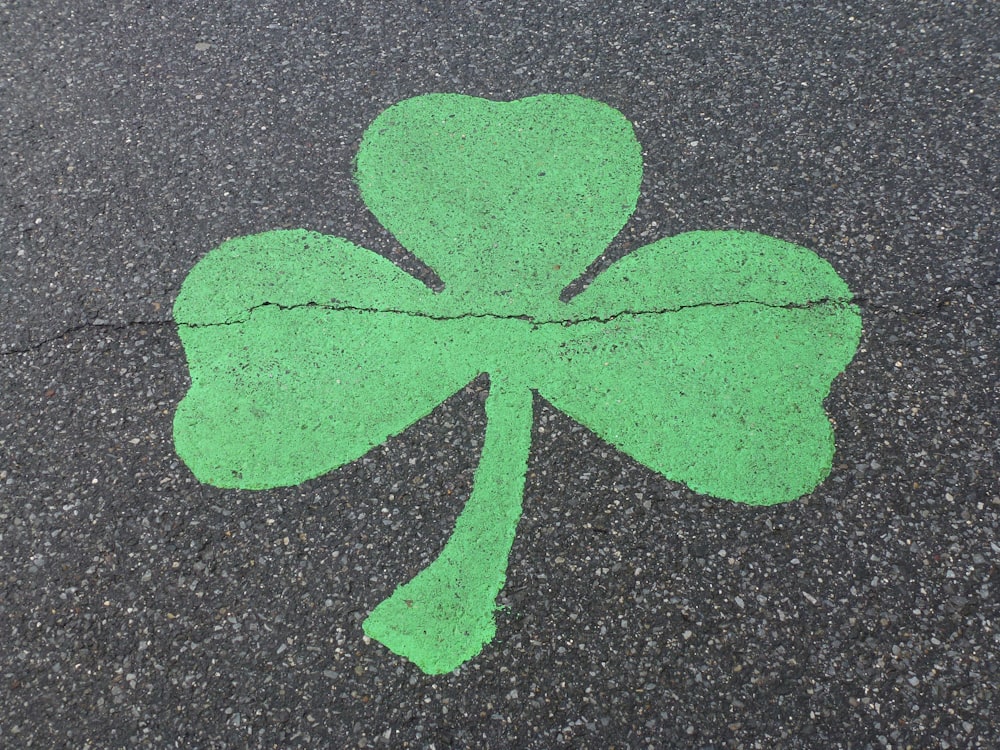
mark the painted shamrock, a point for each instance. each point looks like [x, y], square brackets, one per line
[705, 356]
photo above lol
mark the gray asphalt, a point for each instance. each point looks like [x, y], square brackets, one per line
[139, 608]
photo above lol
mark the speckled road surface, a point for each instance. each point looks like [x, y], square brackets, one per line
[140, 608]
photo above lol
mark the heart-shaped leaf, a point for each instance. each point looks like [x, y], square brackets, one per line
[706, 357]
[294, 343]
[507, 201]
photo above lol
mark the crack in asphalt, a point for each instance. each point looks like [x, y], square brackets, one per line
[33, 346]
[809, 304]
[122, 325]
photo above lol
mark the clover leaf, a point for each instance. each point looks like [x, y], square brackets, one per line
[705, 356]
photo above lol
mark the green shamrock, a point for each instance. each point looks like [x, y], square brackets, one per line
[705, 356]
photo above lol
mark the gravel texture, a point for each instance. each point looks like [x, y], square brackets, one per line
[141, 608]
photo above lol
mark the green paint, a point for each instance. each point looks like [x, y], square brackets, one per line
[508, 202]
[704, 356]
[444, 616]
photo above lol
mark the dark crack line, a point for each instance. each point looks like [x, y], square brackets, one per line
[34, 346]
[810, 304]
[123, 325]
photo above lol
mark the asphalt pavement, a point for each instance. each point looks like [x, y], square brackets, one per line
[140, 607]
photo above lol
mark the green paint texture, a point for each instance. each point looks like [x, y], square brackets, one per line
[705, 356]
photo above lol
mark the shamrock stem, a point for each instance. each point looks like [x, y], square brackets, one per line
[444, 616]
